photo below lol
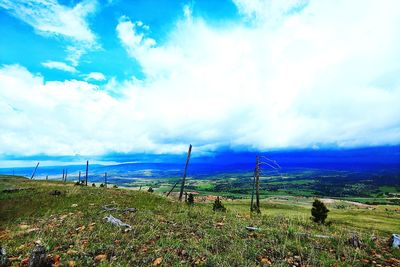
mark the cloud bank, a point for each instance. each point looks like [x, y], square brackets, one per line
[287, 76]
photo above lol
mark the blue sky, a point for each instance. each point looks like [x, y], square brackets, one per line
[96, 77]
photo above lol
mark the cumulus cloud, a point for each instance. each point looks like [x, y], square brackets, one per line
[97, 76]
[309, 80]
[49, 18]
[59, 66]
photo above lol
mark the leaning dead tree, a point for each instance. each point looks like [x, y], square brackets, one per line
[34, 171]
[184, 176]
[256, 180]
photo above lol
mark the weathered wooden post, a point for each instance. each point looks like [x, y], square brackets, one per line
[252, 192]
[257, 174]
[105, 179]
[87, 169]
[184, 173]
[34, 171]
[79, 177]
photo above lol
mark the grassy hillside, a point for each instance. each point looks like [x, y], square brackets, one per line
[165, 232]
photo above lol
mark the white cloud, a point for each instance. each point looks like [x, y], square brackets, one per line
[310, 80]
[59, 66]
[132, 36]
[49, 18]
[97, 76]
[268, 11]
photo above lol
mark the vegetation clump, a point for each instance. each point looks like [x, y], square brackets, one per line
[150, 190]
[218, 206]
[190, 199]
[319, 211]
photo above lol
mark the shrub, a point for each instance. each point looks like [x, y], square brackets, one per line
[115, 186]
[94, 185]
[218, 206]
[190, 199]
[101, 185]
[319, 211]
[150, 190]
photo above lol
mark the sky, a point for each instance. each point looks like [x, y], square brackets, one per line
[103, 77]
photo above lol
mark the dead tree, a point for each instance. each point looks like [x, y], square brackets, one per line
[63, 177]
[258, 184]
[79, 177]
[87, 169]
[105, 179]
[256, 179]
[66, 174]
[34, 171]
[252, 192]
[47, 177]
[184, 173]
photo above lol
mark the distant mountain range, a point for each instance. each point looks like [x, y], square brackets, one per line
[163, 166]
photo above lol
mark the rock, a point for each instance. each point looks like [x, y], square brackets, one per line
[395, 241]
[3, 257]
[38, 256]
[252, 228]
[74, 205]
[55, 193]
[355, 241]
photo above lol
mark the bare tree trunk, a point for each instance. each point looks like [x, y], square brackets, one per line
[252, 192]
[184, 174]
[258, 183]
[87, 169]
[34, 171]
[66, 174]
[79, 177]
[47, 177]
[105, 180]
[63, 177]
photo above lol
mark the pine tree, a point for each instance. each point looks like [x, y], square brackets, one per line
[319, 211]
[218, 206]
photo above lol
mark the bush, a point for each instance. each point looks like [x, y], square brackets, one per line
[319, 211]
[190, 200]
[115, 186]
[218, 206]
[150, 190]
[101, 185]
[94, 185]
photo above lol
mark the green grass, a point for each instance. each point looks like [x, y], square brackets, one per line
[72, 226]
